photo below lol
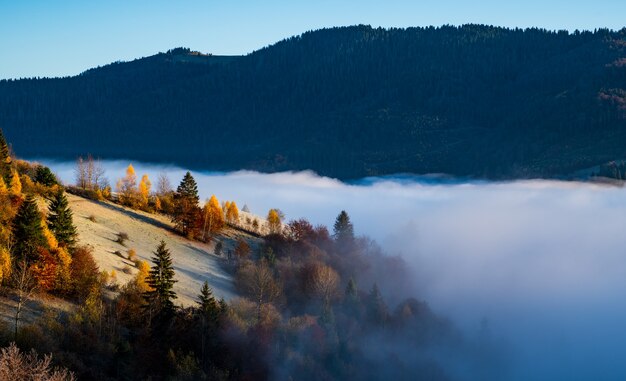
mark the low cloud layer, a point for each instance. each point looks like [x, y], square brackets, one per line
[543, 262]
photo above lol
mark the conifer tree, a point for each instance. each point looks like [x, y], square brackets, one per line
[343, 231]
[5, 159]
[186, 209]
[28, 231]
[60, 220]
[44, 176]
[376, 307]
[161, 281]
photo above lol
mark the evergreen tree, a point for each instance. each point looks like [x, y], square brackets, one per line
[60, 220]
[186, 209]
[161, 281]
[5, 160]
[28, 231]
[376, 307]
[343, 231]
[43, 175]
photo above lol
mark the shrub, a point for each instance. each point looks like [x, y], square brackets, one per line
[122, 238]
[132, 255]
[127, 270]
[92, 218]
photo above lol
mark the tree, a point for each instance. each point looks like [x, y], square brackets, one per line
[213, 217]
[60, 220]
[15, 365]
[274, 221]
[232, 214]
[5, 160]
[25, 285]
[161, 281]
[28, 231]
[44, 176]
[141, 279]
[257, 280]
[127, 187]
[144, 191]
[376, 307]
[186, 209]
[242, 250]
[343, 231]
[15, 186]
[321, 281]
[209, 311]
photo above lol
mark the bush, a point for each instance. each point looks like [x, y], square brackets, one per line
[122, 238]
[92, 218]
[127, 270]
[132, 255]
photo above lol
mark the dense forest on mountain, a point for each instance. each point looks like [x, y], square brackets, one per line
[347, 102]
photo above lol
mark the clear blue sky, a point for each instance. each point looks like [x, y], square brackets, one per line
[66, 37]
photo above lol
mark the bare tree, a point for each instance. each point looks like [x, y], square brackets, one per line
[25, 286]
[164, 186]
[81, 173]
[321, 281]
[15, 365]
[258, 281]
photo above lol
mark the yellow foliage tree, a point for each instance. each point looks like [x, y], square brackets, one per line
[53, 244]
[127, 187]
[232, 214]
[225, 207]
[213, 216]
[274, 222]
[64, 262]
[142, 275]
[5, 264]
[3, 187]
[144, 191]
[16, 184]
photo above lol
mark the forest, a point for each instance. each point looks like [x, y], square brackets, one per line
[313, 303]
[347, 102]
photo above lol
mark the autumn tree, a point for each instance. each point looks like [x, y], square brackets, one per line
[28, 232]
[127, 188]
[5, 160]
[15, 186]
[60, 220]
[89, 174]
[274, 221]
[232, 214]
[159, 299]
[141, 279]
[242, 250]
[6, 265]
[84, 272]
[25, 285]
[44, 269]
[144, 192]
[186, 209]
[212, 217]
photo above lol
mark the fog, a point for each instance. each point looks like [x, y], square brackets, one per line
[542, 262]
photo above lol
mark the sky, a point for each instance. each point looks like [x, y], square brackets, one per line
[42, 38]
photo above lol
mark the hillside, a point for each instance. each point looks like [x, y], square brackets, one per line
[194, 262]
[346, 102]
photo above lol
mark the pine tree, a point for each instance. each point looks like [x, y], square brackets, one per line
[5, 159]
[28, 231]
[209, 311]
[186, 209]
[343, 231]
[44, 176]
[161, 281]
[60, 220]
[376, 307]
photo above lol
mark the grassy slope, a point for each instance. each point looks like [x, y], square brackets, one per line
[194, 262]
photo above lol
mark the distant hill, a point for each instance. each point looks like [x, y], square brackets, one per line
[346, 102]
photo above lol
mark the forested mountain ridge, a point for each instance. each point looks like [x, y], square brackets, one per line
[346, 102]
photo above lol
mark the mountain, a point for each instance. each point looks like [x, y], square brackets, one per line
[346, 102]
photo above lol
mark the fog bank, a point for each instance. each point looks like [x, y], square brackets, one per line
[544, 262]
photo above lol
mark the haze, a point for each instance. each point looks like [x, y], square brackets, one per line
[542, 262]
